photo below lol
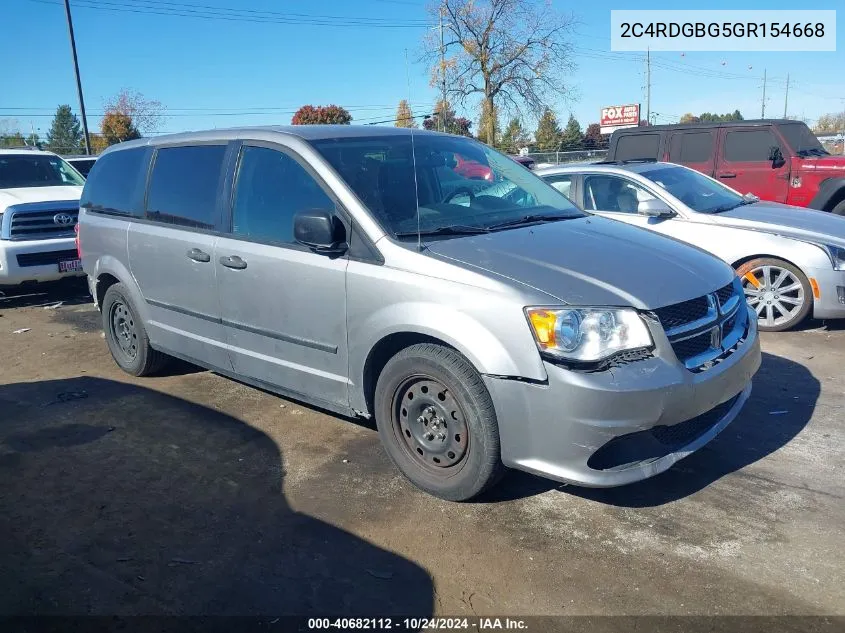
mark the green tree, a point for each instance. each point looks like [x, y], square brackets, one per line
[65, 135]
[404, 117]
[33, 140]
[548, 134]
[572, 136]
[514, 137]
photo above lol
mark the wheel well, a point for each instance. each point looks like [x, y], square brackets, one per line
[383, 351]
[835, 199]
[104, 282]
[745, 260]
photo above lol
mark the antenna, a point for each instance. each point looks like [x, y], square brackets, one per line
[413, 156]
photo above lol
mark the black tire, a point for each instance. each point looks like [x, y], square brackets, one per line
[126, 336]
[467, 461]
[839, 209]
[753, 268]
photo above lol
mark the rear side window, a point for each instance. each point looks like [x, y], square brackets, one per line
[116, 182]
[749, 145]
[691, 147]
[637, 146]
[184, 186]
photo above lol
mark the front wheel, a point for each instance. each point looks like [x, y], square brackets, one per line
[778, 292]
[436, 420]
[839, 209]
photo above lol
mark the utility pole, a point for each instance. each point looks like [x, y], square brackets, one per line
[442, 72]
[763, 114]
[648, 85]
[78, 81]
[786, 96]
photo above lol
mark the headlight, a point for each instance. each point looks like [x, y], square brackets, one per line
[837, 256]
[587, 334]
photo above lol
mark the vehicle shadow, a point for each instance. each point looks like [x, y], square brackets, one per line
[70, 292]
[770, 419]
[130, 502]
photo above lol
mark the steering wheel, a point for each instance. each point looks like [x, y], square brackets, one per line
[454, 193]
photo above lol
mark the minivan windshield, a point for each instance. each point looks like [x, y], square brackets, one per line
[445, 185]
[36, 170]
[695, 190]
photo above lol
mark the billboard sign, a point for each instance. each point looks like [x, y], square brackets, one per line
[618, 117]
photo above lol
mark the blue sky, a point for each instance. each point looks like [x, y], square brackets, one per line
[216, 72]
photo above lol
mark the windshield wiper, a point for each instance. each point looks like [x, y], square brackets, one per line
[532, 219]
[729, 207]
[451, 229]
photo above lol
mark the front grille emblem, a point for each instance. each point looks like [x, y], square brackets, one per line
[716, 337]
[63, 219]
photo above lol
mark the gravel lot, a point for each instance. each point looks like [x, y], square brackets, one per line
[193, 494]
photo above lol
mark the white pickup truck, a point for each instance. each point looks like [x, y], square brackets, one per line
[39, 205]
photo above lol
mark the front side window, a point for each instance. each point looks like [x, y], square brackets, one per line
[695, 190]
[36, 170]
[443, 183]
[614, 194]
[271, 188]
[749, 146]
[184, 185]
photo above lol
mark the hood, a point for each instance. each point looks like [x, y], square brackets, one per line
[781, 219]
[592, 261]
[9, 197]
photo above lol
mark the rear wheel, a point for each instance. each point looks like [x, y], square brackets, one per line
[777, 291]
[437, 422]
[126, 336]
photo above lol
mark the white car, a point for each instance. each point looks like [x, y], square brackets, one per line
[791, 260]
[39, 205]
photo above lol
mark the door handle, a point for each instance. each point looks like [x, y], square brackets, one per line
[233, 261]
[198, 256]
[728, 175]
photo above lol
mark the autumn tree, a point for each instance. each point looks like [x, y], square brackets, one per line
[689, 117]
[117, 127]
[514, 138]
[444, 119]
[513, 53]
[593, 138]
[830, 123]
[404, 117]
[145, 115]
[321, 115]
[65, 135]
[548, 134]
[572, 135]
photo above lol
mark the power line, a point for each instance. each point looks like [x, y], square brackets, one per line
[233, 15]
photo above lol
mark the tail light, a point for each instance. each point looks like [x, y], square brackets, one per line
[76, 239]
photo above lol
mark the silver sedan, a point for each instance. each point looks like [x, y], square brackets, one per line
[791, 260]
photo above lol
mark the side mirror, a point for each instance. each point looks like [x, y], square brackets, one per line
[776, 156]
[655, 208]
[321, 231]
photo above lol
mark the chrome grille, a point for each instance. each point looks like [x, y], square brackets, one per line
[704, 338]
[39, 220]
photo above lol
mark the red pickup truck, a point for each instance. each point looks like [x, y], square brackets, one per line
[777, 160]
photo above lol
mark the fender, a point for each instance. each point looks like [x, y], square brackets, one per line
[832, 189]
[110, 265]
[456, 328]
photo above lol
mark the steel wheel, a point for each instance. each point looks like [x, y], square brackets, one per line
[123, 329]
[431, 423]
[776, 294]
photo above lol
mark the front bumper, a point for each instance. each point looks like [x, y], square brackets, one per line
[12, 273]
[555, 429]
[828, 305]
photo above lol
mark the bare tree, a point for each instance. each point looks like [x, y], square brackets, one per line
[146, 115]
[513, 53]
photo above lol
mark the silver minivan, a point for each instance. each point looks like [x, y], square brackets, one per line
[426, 281]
